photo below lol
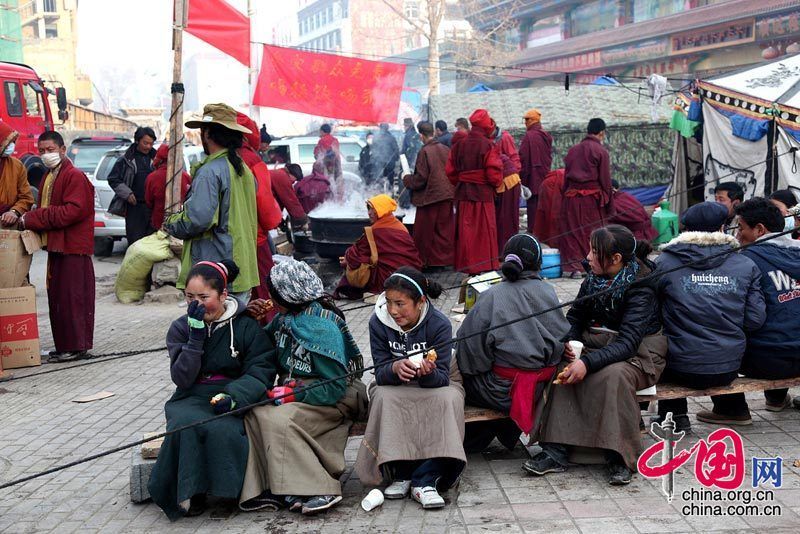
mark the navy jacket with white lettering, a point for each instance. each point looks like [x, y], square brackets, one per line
[779, 262]
[708, 308]
[389, 342]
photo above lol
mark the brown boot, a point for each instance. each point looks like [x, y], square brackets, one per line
[718, 419]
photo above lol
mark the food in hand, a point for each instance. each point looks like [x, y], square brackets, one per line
[431, 355]
[560, 378]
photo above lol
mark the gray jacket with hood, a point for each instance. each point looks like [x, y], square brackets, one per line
[709, 307]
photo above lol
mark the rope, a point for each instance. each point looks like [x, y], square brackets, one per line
[96, 358]
[358, 372]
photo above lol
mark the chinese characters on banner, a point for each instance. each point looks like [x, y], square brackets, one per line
[329, 85]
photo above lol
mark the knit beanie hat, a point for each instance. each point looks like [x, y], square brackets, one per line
[705, 217]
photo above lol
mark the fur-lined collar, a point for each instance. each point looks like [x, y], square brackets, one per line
[704, 239]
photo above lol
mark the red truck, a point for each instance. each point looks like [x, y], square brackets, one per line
[25, 107]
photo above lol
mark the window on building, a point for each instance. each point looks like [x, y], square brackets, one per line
[338, 34]
[345, 9]
[13, 99]
[50, 31]
[652, 9]
[411, 9]
[593, 17]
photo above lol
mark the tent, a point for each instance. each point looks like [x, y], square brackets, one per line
[742, 126]
[480, 88]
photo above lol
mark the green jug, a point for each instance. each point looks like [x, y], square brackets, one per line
[665, 222]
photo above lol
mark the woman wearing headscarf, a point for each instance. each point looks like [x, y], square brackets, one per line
[508, 368]
[385, 247]
[415, 433]
[594, 402]
[297, 444]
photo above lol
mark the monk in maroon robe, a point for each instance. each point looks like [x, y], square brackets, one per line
[474, 167]
[65, 219]
[536, 157]
[394, 245]
[315, 189]
[432, 194]
[588, 202]
[548, 209]
[506, 203]
[630, 213]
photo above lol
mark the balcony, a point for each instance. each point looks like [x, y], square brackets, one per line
[35, 10]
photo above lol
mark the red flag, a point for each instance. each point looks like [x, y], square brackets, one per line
[222, 26]
[329, 85]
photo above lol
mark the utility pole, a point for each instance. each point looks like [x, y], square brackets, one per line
[175, 165]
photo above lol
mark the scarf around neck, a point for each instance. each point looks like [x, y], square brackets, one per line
[608, 303]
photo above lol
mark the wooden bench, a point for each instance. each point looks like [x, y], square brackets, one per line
[740, 385]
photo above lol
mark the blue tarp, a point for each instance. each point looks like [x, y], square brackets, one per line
[480, 88]
[647, 195]
[605, 80]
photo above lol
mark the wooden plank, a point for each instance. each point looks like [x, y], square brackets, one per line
[740, 385]
[151, 448]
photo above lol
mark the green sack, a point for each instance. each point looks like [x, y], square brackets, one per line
[131, 284]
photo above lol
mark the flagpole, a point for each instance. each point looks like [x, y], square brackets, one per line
[175, 164]
[252, 72]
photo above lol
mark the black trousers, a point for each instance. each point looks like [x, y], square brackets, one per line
[137, 222]
[440, 473]
[694, 381]
[766, 368]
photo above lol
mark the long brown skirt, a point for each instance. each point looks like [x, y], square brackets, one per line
[297, 448]
[411, 423]
[70, 297]
[602, 411]
[434, 228]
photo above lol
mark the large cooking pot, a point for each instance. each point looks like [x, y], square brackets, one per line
[332, 236]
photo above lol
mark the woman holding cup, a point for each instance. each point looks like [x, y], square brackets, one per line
[508, 368]
[594, 404]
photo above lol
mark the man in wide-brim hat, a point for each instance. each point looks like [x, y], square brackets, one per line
[219, 218]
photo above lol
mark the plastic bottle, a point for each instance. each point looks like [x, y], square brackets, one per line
[665, 223]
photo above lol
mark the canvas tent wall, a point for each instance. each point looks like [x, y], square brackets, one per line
[747, 124]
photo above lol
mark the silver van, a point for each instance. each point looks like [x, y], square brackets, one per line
[300, 150]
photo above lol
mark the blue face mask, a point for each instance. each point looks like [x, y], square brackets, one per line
[9, 149]
[788, 223]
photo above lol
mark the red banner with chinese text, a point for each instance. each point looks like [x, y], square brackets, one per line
[222, 26]
[329, 85]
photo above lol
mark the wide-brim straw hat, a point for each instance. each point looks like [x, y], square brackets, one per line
[221, 114]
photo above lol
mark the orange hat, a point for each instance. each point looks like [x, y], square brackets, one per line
[533, 114]
[253, 139]
[382, 204]
[7, 135]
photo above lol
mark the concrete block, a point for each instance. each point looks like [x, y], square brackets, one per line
[140, 475]
[164, 295]
[166, 272]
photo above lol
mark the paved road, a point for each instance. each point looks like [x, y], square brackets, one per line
[40, 427]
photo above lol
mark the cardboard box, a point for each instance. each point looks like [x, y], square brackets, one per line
[16, 253]
[19, 329]
[477, 285]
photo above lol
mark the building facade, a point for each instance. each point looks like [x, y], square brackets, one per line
[675, 38]
[49, 43]
[10, 31]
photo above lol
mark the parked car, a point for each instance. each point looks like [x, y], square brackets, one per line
[85, 152]
[300, 150]
[109, 228]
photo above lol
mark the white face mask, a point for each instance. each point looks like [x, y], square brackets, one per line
[9, 149]
[788, 223]
[51, 159]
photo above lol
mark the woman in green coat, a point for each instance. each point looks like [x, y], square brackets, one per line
[220, 360]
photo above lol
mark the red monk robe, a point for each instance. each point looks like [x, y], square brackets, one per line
[395, 249]
[432, 194]
[506, 204]
[476, 171]
[630, 213]
[536, 157]
[588, 202]
[269, 213]
[548, 210]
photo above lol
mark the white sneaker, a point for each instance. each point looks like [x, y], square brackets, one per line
[397, 489]
[428, 497]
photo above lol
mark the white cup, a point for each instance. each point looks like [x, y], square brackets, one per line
[416, 359]
[577, 348]
[373, 499]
